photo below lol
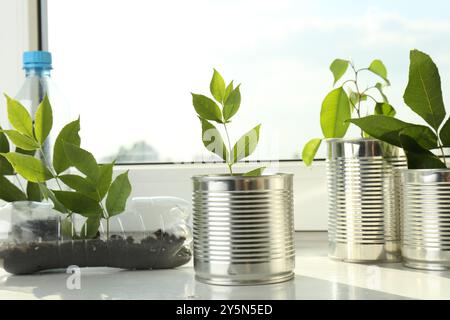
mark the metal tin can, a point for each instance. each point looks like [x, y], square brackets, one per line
[243, 229]
[426, 218]
[364, 206]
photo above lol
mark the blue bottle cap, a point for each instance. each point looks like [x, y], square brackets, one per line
[37, 59]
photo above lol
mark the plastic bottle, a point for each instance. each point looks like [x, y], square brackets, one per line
[38, 83]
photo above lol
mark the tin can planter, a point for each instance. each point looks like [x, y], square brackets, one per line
[364, 204]
[426, 218]
[243, 229]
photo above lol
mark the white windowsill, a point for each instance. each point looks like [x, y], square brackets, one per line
[323, 278]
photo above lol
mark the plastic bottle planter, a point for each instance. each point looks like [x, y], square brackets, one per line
[154, 234]
[243, 229]
[426, 218]
[363, 200]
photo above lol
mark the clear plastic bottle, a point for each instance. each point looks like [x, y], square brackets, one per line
[38, 83]
[153, 233]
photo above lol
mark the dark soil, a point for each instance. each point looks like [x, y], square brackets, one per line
[44, 230]
[158, 251]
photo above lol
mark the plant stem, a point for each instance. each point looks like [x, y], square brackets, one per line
[229, 164]
[369, 96]
[358, 108]
[105, 216]
[53, 173]
[367, 89]
[55, 176]
[20, 183]
[346, 81]
[442, 152]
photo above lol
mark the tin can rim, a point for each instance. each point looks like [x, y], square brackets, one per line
[354, 139]
[227, 176]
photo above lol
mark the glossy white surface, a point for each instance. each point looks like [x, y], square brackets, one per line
[317, 277]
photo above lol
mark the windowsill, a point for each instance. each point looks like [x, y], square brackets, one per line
[317, 277]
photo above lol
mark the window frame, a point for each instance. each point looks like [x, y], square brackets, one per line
[310, 196]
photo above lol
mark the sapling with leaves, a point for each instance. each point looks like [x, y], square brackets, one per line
[94, 194]
[347, 99]
[423, 95]
[226, 105]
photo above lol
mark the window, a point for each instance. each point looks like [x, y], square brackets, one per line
[128, 67]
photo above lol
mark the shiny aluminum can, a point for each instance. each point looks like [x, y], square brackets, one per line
[363, 196]
[426, 218]
[243, 229]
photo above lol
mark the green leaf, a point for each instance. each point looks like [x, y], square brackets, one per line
[22, 141]
[379, 87]
[444, 134]
[338, 67]
[68, 229]
[246, 144]
[384, 109]
[423, 93]
[79, 203]
[355, 98]
[4, 143]
[83, 160]
[335, 111]
[423, 136]
[418, 157]
[212, 139]
[387, 129]
[232, 104]
[104, 178]
[34, 192]
[80, 184]
[43, 120]
[28, 167]
[19, 117]
[423, 161]
[48, 194]
[68, 134]
[228, 91]
[5, 166]
[217, 86]
[254, 173]
[90, 228]
[310, 150]
[206, 108]
[118, 194]
[379, 69]
[9, 192]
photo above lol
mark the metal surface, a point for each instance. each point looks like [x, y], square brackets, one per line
[426, 218]
[363, 200]
[243, 229]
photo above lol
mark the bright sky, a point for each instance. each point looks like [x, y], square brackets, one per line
[128, 67]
